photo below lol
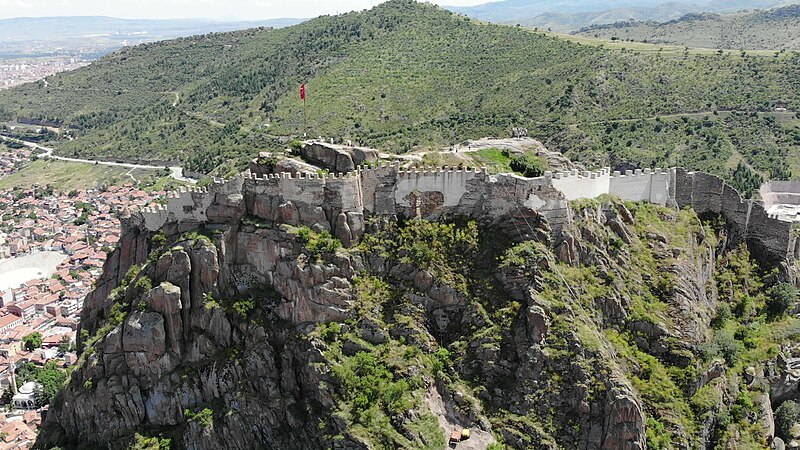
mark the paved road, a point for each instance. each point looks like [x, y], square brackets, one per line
[175, 171]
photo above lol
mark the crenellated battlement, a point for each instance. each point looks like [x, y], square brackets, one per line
[339, 201]
[576, 174]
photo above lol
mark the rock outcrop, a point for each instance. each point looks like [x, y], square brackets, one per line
[226, 319]
[337, 158]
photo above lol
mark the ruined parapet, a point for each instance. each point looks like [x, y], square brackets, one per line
[188, 204]
[576, 184]
[430, 192]
[377, 186]
[747, 221]
[155, 216]
[648, 185]
[325, 202]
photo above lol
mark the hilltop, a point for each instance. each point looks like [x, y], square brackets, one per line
[406, 75]
[776, 29]
[346, 311]
[564, 15]
[568, 22]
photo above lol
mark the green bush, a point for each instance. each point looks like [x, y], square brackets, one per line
[528, 165]
[151, 443]
[368, 382]
[205, 417]
[318, 244]
[722, 316]
[159, 239]
[445, 249]
[786, 416]
[724, 345]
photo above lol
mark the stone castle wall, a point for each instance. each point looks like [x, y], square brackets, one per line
[576, 184]
[339, 203]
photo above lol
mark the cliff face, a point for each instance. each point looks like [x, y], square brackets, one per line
[163, 344]
[247, 324]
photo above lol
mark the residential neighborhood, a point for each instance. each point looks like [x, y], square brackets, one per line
[60, 241]
[18, 71]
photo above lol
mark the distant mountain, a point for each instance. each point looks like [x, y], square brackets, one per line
[508, 10]
[24, 29]
[777, 29]
[565, 22]
[565, 15]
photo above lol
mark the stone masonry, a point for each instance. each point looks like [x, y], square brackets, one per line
[341, 202]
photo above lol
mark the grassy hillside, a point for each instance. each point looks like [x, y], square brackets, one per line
[777, 29]
[407, 75]
[567, 22]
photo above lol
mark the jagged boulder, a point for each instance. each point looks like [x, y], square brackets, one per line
[624, 423]
[144, 333]
[337, 158]
[166, 299]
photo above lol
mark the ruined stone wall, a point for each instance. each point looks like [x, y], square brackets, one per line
[747, 220]
[339, 203]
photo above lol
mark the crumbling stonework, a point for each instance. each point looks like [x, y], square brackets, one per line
[340, 203]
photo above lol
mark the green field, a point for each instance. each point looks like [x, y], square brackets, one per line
[67, 176]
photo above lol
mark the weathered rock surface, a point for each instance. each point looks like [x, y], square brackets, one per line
[337, 158]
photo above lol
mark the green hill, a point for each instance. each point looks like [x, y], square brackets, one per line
[407, 75]
[777, 29]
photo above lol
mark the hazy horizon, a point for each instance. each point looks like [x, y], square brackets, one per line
[219, 10]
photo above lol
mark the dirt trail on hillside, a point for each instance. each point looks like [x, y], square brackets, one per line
[478, 440]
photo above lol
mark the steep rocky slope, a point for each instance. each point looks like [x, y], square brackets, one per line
[637, 328]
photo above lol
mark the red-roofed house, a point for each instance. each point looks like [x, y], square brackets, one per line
[9, 321]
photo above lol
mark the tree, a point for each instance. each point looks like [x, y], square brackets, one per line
[782, 297]
[786, 416]
[8, 397]
[52, 380]
[32, 341]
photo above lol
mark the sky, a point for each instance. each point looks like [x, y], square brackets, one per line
[186, 9]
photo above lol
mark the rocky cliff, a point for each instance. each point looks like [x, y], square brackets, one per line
[283, 319]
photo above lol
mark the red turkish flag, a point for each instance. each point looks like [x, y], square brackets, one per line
[302, 91]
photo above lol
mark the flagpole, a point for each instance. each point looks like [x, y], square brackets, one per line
[303, 98]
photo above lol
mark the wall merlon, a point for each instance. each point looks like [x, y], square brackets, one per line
[432, 192]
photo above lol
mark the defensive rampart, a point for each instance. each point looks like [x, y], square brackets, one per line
[339, 203]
